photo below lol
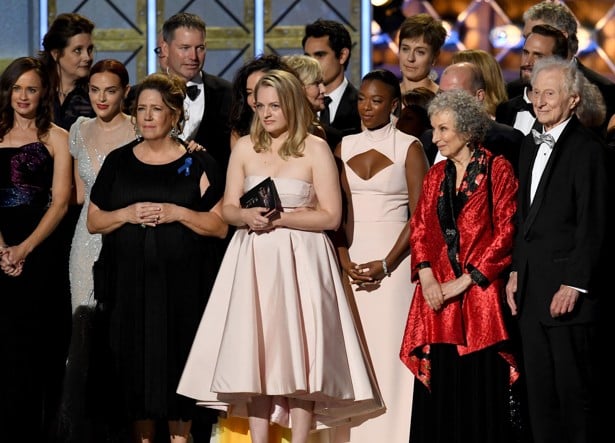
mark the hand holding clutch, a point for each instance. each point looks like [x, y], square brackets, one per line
[263, 195]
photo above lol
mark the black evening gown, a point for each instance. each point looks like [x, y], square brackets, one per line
[158, 281]
[29, 303]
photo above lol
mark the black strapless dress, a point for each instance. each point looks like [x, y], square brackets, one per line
[30, 311]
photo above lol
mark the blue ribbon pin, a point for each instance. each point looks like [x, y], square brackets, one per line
[185, 168]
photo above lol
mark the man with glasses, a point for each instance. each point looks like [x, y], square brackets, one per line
[162, 59]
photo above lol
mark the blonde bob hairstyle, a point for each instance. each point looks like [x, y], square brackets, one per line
[307, 68]
[295, 107]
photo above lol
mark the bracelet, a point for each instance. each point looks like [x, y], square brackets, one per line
[385, 268]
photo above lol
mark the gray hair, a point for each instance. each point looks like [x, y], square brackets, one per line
[468, 113]
[558, 16]
[591, 109]
[573, 79]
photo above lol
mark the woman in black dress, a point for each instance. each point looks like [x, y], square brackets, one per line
[158, 208]
[35, 183]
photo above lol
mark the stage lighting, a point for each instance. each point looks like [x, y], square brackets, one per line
[586, 40]
[506, 36]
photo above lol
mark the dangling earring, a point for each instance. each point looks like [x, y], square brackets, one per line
[173, 133]
[137, 131]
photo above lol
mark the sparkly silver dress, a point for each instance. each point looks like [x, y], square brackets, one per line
[89, 145]
[89, 152]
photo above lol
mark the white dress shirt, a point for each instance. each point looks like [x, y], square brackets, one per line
[194, 110]
[542, 157]
[336, 98]
[524, 119]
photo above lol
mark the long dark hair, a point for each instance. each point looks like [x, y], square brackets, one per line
[64, 27]
[44, 111]
[240, 117]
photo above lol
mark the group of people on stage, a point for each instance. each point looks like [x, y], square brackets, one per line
[438, 272]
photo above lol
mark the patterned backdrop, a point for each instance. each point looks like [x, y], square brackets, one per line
[121, 28]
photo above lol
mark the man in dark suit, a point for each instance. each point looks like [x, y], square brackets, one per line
[499, 139]
[559, 16]
[329, 42]
[182, 53]
[209, 97]
[543, 41]
[553, 287]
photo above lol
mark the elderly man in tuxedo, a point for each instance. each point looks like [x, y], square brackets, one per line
[554, 288]
[559, 16]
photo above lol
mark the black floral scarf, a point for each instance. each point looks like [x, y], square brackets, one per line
[451, 202]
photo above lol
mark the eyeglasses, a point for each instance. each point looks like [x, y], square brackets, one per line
[158, 50]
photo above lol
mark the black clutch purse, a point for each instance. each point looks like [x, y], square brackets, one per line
[263, 195]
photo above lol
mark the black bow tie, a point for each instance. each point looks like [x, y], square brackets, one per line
[522, 105]
[193, 92]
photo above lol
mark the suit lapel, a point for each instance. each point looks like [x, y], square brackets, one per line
[343, 107]
[534, 206]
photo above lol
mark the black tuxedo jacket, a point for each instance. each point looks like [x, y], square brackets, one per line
[514, 88]
[560, 235]
[506, 112]
[333, 136]
[347, 118]
[214, 132]
[500, 139]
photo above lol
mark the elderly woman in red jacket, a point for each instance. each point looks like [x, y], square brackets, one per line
[462, 231]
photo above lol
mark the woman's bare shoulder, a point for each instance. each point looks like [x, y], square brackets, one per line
[57, 139]
[243, 145]
[315, 143]
[58, 132]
